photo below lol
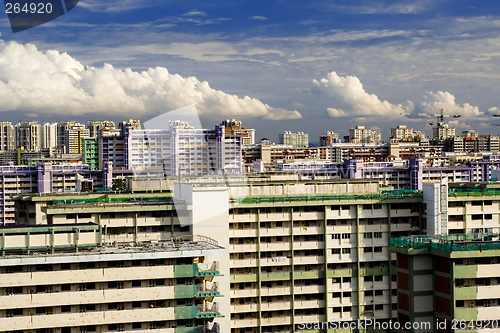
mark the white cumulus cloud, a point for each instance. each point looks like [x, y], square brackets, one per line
[53, 83]
[435, 101]
[352, 100]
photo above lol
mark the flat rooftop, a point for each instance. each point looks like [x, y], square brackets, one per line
[123, 251]
[450, 243]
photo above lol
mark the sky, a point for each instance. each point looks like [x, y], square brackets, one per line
[312, 66]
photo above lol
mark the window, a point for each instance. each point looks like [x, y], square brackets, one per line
[379, 292]
[335, 236]
[346, 236]
[346, 294]
[368, 293]
[477, 216]
[488, 216]
[346, 250]
[368, 278]
[379, 278]
[368, 249]
[66, 308]
[335, 251]
[136, 283]
[377, 249]
[346, 280]
[377, 235]
[66, 287]
[367, 235]
[379, 307]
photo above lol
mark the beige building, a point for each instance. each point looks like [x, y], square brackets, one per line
[360, 134]
[288, 252]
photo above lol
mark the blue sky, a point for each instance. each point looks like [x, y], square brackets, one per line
[313, 66]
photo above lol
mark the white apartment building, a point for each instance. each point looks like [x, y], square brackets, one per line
[360, 134]
[442, 132]
[183, 150]
[49, 135]
[299, 139]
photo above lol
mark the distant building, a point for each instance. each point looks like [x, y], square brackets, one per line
[90, 152]
[402, 133]
[7, 136]
[28, 135]
[95, 127]
[441, 132]
[134, 123]
[360, 134]
[328, 138]
[70, 135]
[299, 139]
[481, 143]
[233, 126]
[470, 134]
[49, 135]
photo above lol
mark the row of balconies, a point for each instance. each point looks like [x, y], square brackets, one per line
[89, 318]
[87, 275]
[107, 274]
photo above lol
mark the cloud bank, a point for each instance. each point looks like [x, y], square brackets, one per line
[53, 83]
[351, 100]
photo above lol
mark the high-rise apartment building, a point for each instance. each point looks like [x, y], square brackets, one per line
[133, 123]
[28, 135]
[178, 150]
[449, 283]
[328, 138]
[49, 135]
[90, 152]
[7, 136]
[402, 133]
[70, 135]
[360, 134]
[233, 126]
[299, 139]
[442, 131]
[95, 127]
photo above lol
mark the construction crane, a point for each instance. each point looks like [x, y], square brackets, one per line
[439, 117]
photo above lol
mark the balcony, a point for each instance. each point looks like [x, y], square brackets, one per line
[204, 291]
[205, 329]
[199, 270]
[86, 318]
[208, 310]
[85, 297]
[91, 275]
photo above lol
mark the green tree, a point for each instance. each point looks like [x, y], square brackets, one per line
[119, 184]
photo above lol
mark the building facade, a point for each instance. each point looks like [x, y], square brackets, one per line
[28, 135]
[298, 140]
[7, 136]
